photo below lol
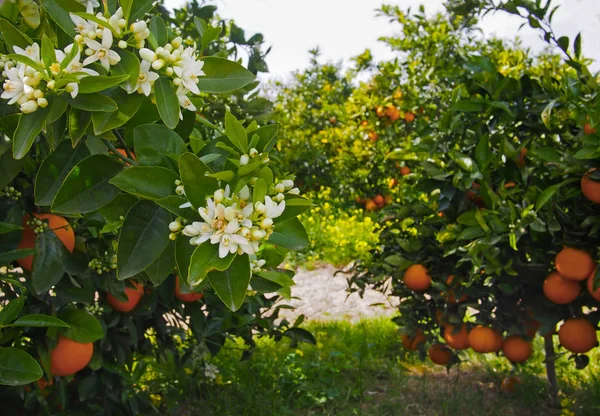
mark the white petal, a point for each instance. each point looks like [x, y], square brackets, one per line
[186, 205]
[232, 227]
[90, 59]
[107, 39]
[223, 250]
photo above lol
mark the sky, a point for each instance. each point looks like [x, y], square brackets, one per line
[344, 28]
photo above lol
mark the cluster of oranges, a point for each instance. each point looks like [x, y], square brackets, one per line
[376, 203]
[393, 114]
[69, 356]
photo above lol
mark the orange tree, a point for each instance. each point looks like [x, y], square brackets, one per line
[126, 229]
[506, 194]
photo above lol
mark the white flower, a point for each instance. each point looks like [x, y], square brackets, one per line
[32, 52]
[288, 184]
[272, 209]
[75, 65]
[228, 240]
[199, 231]
[84, 27]
[114, 20]
[145, 79]
[73, 89]
[102, 52]
[184, 101]
[14, 87]
[189, 69]
[90, 5]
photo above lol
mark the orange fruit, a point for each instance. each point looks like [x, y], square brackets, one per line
[186, 297]
[588, 129]
[409, 117]
[439, 317]
[389, 199]
[392, 113]
[133, 298]
[483, 339]
[457, 339]
[370, 205]
[404, 170]
[373, 136]
[560, 290]
[517, 349]
[68, 357]
[380, 111]
[379, 200]
[413, 342]
[417, 278]
[333, 120]
[57, 224]
[521, 159]
[392, 183]
[440, 354]
[578, 335]
[123, 152]
[590, 286]
[509, 383]
[509, 185]
[364, 123]
[590, 188]
[574, 264]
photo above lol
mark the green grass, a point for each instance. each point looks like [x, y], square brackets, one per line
[360, 369]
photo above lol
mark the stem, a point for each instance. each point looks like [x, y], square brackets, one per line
[116, 133]
[119, 155]
[207, 123]
[551, 369]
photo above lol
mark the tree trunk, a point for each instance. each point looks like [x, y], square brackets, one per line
[551, 370]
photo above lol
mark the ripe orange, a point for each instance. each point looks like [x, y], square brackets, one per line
[133, 298]
[373, 136]
[68, 357]
[123, 152]
[57, 224]
[560, 290]
[364, 123]
[370, 205]
[483, 339]
[380, 111]
[417, 278]
[379, 200]
[186, 297]
[574, 264]
[404, 170]
[590, 188]
[509, 185]
[409, 117]
[392, 113]
[590, 286]
[413, 342]
[578, 335]
[440, 354]
[521, 159]
[517, 349]
[392, 183]
[588, 129]
[509, 383]
[333, 120]
[457, 339]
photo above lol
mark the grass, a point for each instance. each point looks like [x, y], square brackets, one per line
[360, 369]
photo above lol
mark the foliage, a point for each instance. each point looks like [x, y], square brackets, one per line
[336, 235]
[117, 202]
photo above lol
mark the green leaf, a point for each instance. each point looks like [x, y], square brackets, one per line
[13, 36]
[154, 142]
[548, 154]
[462, 160]
[128, 65]
[236, 132]
[17, 367]
[139, 9]
[294, 206]
[266, 137]
[40, 321]
[27, 61]
[57, 109]
[87, 187]
[290, 234]
[231, 284]
[9, 168]
[282, 279]
[143, 237]
[167, 102]
[30, 12]
[300, 335]
[577, 45]
[549, 192]
[61, 16]
[183, 255]
[159, 30]
[79, 122]
[197, 185]
[482, 152]
[126, 6]
[223, 76]
[129, 104]
[30, 125]
[84, 327]
[149, 182]
[98, 83]
[11, 310]
[547, 112]
[47, 51]
[467, 106]
[7, 227]
[471, 233]
[205, 259]
[259, 191]
[163, 265]
[563, 42]
[54, 170]
[90, 102]
[12, 255]
[48, 267]
[173, 202]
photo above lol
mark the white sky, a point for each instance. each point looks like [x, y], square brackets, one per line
[344, 28]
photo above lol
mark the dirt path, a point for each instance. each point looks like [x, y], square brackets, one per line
[323, 296]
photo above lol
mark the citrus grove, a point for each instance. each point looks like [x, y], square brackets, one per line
[141, 217]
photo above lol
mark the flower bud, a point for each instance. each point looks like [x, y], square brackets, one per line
[244, 231]
[38, 94]
[244, 193]
[147, 55]
[172, 236]
[79, 39]
[141, 36]
[266, 223]
[288, 184]
[169, 71]
[177, 82]
[177, 182]
[266, 160]
[279, 188]
[122, 44]
[29, 107]
[29, 71]
[244, 159]
[175, 226]
[260, 207]
[138, 26]
[219, 195]
[122, 23]
[169, 47]
[140, 44]
[279, 197]
[177, 42]
[42, 102]
[51, 84]
[159, 50]
[229, 213]
[91, 34]
[258, 234]
[158, 64]
[180, 190]
[253, 152]
[294, 191]
[89, 52]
